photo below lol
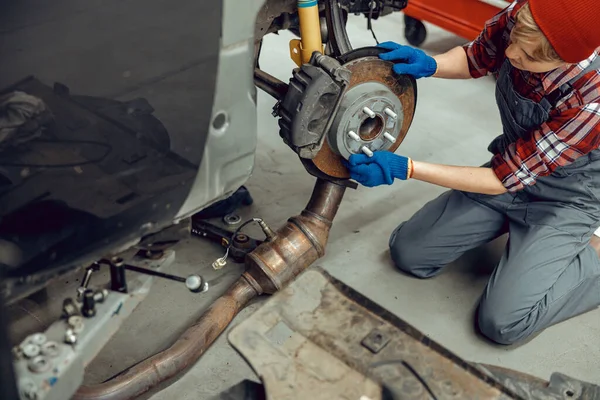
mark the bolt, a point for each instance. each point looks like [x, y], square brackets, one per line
[369, 112]
[390, 113]
[367, 151]
[389, 137]
[100, 295]
[70, 337]
[69, 307]
[353, 135]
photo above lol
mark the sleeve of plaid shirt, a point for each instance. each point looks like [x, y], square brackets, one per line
[557, 142]
[482, 52]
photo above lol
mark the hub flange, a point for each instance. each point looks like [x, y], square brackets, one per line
[370, 117]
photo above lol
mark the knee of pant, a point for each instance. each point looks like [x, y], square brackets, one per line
[498, 326]
[406, 254]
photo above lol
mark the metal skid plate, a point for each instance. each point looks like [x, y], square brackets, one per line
[319, 339]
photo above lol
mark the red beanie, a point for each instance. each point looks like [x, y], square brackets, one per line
[571, 26]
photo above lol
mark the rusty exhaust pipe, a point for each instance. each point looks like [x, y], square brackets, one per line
[297, 244]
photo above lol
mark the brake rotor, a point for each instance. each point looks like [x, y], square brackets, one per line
[390, 102]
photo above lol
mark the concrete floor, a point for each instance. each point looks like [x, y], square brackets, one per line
[454, 123]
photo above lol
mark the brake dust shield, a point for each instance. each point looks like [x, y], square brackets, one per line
[368, 69]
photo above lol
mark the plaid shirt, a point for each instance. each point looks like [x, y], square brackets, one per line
[573, 128]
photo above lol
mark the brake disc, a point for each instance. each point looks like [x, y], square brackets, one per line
[375, 112]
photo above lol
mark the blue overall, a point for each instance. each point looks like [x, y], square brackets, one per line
[548, 272]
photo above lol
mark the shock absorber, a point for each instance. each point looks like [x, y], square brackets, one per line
[310, 32]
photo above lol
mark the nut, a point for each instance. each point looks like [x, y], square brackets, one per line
[51, 349]
[38, 364]
[76, 323]
[232, 219]
[30, 350]
[38, 338]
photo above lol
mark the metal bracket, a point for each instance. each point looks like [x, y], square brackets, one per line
[50, 365]
[296, 51]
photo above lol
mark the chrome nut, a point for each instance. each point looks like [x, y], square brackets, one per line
[76, 323]
[51, 349]
[38, 364]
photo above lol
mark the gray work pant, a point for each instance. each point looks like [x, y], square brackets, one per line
[548, 272]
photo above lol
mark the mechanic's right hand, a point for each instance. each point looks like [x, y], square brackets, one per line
[408, 60]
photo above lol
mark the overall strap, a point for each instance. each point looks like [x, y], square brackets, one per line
[593, 65]
[550, 100]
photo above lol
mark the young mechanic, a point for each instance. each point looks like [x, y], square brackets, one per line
[542, 185]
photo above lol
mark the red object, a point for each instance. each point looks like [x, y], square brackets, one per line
[465, 18]
[571, 26]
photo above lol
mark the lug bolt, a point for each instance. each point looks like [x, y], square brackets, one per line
[390, 113]
[353, 135]
[389, 137]
[367, 151]
[369, 112]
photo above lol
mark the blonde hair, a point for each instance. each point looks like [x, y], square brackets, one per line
[526, 30]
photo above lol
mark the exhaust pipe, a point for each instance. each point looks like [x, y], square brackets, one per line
[297, 244]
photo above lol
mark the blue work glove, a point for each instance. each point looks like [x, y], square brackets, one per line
[408, 60]
[380, 169]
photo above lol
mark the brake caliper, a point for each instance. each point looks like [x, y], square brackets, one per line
[311, 103]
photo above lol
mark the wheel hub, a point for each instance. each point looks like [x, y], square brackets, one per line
[369, 119]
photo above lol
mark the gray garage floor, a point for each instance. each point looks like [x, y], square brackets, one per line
[454, 122]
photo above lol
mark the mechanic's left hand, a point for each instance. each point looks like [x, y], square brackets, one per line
[380, 169]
